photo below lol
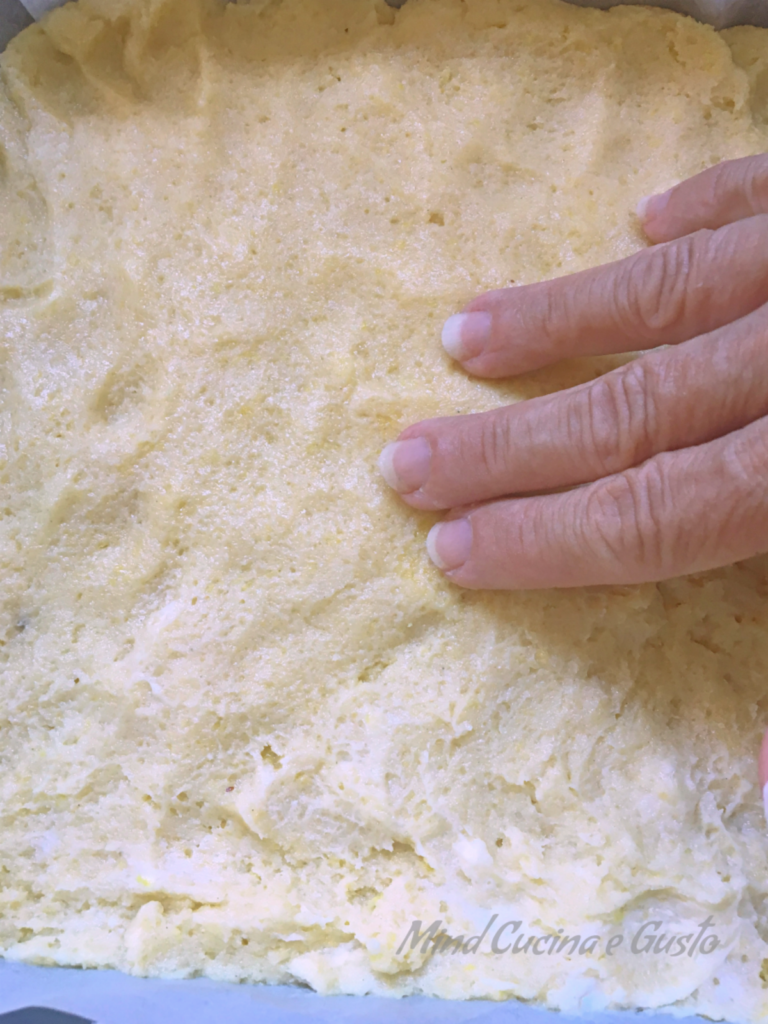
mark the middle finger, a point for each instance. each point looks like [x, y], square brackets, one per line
[669, 399]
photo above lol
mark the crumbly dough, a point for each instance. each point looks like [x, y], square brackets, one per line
[247, 730]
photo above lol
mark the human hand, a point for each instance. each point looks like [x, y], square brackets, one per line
[670, 450]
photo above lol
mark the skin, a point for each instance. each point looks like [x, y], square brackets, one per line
[664, 461]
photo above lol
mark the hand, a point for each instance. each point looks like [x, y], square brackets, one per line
[670, 450]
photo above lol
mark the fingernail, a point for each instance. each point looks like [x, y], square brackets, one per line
[405, 464]
[449, 544]
[465, 335]
[652, 206]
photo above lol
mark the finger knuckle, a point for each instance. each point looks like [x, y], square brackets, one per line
[744, 180]
[741, 497]
[627, 516]
[754, 183]
[721, 181]
[748, 455]
[652, 292]
[549, 316]
[617, 418]
[494, 444]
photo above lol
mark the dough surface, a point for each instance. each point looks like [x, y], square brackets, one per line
[246, 730]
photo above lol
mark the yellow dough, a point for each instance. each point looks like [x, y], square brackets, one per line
[246, 729]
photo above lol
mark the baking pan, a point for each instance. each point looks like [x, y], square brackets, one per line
[55, 995]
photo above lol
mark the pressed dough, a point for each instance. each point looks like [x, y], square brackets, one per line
[246, 729]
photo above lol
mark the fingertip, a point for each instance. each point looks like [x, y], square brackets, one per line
[465, 335]
[642, 208]
[449, 544]
[451, 335]
[650, 210]
[405, 464]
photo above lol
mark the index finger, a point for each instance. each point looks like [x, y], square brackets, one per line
[728, 192]
[659, 296]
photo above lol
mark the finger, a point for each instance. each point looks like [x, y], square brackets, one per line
[723, 194]
[662, 295]
[678, 513]
[674, 398]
